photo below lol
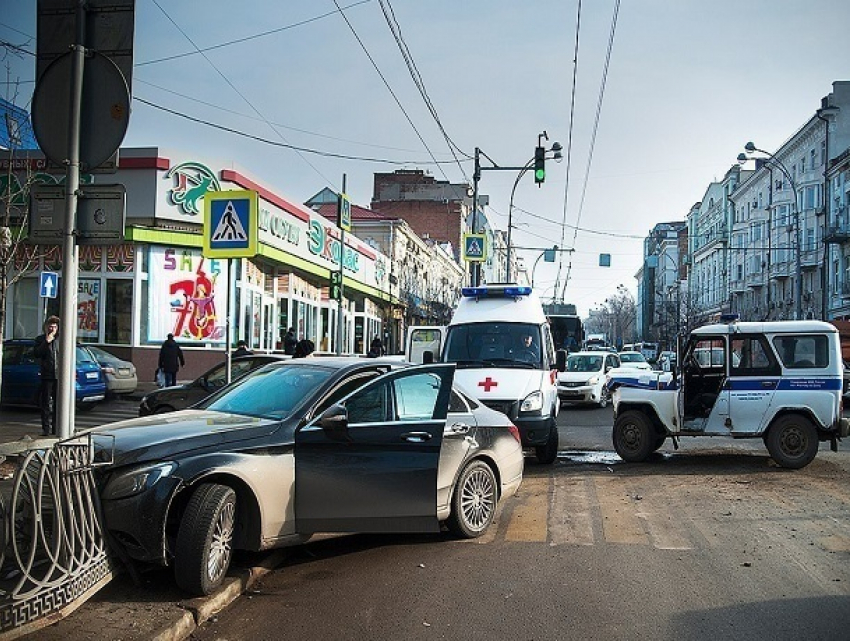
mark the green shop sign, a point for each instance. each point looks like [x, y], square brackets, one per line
[321, 243]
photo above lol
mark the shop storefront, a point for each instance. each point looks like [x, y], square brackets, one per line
[132, 295]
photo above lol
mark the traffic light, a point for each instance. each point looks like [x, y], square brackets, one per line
[336, 286]
[539, 165]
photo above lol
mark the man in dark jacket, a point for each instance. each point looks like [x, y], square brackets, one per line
[289, 342]
[47, 349]
[170, 360]
[242, 350]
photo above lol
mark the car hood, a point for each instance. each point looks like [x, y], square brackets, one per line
[572, 377]
[163, 436]
[500, 384]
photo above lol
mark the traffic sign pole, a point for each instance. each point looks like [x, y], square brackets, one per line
[339, 312]
[68, 321]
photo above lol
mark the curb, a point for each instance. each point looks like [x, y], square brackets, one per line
[199, 611]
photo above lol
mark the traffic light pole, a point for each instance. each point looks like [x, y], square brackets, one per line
[339, 308]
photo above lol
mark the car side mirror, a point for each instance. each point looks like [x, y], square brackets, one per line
[334, 423]
[561, 360]
[334, 418]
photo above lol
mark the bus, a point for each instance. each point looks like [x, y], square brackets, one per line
[566, 326]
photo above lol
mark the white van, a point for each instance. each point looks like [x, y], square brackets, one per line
[780, 381]
[500, 339]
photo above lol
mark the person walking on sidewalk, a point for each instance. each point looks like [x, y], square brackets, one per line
[171, 360]
[47, 349]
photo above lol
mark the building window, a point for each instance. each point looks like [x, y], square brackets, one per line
[119, 312]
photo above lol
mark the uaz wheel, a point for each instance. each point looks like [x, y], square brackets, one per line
[792, 441]
[634, 438]
[474, 501]
[205, 539]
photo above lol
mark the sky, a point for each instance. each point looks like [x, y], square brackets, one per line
[650, 99]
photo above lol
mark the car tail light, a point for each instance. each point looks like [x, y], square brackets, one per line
[515, 433]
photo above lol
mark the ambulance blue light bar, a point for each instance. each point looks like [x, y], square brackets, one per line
[505, 291]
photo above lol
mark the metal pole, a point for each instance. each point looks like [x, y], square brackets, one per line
[339, 307]
[228, 354]
[825, 261]
[510, 215]
[474, 273]
[70, 273]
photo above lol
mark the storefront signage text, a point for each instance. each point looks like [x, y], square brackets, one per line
[321, 243]
[278, 226]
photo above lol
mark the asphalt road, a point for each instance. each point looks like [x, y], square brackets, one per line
[712, 541]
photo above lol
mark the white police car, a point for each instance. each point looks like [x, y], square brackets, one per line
[781, 381]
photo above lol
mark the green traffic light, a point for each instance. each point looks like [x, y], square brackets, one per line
[540, 175]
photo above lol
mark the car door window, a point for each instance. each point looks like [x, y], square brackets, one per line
[803, 352]
[416, 396]
[457, 404]
[370, 406]
[751, 356]
[344, 389]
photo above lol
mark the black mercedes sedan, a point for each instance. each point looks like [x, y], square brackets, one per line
[301, 447]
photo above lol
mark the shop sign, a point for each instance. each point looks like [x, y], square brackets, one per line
[187, 295]
[278, 226]
[321, 243]
[191, 181]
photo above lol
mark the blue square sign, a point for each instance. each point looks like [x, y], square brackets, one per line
[230, 224]
[48, 284]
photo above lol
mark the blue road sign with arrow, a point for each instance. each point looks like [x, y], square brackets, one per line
[49, 284]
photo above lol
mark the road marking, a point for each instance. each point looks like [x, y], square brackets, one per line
[529, 518]
[620, 523]
[571, 519]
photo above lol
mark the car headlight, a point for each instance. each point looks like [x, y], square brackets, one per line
[137, 479]
[593, 380]
[532, 403]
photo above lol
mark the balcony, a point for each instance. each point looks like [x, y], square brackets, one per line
[809, 258]
[838, 231]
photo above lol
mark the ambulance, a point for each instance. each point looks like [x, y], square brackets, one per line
[501, 341]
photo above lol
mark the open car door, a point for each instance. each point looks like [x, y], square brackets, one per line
[369, 463]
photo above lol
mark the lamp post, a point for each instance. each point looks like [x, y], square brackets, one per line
[475, 271]
[750, 148]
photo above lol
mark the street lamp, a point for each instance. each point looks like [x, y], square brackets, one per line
[750, 148]
[557, 156]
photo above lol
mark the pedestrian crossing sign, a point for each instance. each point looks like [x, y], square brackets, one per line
[474, 248]
[230, 224]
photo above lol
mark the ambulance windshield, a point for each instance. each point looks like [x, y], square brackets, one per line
[494, 345]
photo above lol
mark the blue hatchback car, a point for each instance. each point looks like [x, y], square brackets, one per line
[21, 379]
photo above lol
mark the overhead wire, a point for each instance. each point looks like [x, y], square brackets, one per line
[395, 29]
[569, 144]
[287, 145]
[242, 95]
[246, 38]
[595, 130]
[389, 88]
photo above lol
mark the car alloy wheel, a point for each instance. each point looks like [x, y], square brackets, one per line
[474, 501]
[205, 539]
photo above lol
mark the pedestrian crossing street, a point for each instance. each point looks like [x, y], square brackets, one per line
[676, 512]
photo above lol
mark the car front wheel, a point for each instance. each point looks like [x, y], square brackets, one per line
[205, 539]
[634, 439]
[792, 441]
[548, 453]
[474, 501]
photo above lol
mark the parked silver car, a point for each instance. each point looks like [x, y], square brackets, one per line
[300, 447]
[120, 375]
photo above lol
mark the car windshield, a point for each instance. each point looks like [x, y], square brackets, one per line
[506, 345]
[632, 358]
[270, 392]
[584, 363]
